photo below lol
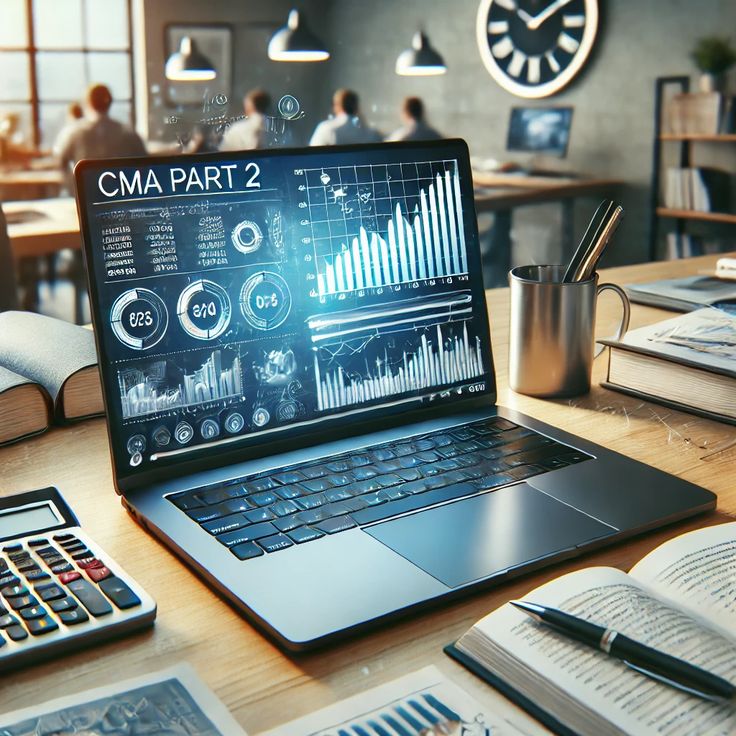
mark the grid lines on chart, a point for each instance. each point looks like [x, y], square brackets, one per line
[377, 225]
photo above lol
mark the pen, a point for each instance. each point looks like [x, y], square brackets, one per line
[640, 657]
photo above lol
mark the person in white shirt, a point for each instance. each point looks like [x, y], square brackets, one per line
[345, 126]
[250, 132]
[415, 127]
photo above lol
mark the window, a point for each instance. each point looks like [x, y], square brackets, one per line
[52, 50]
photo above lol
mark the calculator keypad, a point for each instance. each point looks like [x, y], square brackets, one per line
[60, 585]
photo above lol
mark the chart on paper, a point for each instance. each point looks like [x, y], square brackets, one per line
[385, 225]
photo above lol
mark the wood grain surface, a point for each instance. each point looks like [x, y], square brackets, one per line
[263, 686]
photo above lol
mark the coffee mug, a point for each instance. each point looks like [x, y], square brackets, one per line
[551, 339]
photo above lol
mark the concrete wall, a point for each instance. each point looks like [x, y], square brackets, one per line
[613, 97]
[253, 23]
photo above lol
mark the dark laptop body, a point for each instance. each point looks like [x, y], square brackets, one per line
[285, 309]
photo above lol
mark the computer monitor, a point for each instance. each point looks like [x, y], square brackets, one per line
[540, 130]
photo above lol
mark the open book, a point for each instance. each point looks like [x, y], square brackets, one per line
[680, 598]
[48, 372]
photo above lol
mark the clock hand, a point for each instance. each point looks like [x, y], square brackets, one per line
[528, 19]
[537, 20]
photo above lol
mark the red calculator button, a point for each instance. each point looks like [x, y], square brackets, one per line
[88, 562]
[67, 577]
[98, 573]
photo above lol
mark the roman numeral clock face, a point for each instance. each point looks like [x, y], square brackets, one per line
[533, 48]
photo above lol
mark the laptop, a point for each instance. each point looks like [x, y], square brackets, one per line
[300, 394]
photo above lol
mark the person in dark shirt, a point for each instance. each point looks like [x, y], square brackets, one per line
[415, 127]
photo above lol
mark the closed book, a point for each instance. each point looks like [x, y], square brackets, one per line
[25, 407]
[683, 294]
[58, 359]
[675, 600]
[688, 362]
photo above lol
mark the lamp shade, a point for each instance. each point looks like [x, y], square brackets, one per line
[295, 42]
[421, 60]
[188, 64]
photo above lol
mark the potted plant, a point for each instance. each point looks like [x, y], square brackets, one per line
[714, 56]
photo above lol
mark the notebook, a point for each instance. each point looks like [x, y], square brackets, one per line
[300, 394]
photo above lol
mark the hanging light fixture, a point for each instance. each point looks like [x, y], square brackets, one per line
[189, 64]
[421, 60]
[295, 42]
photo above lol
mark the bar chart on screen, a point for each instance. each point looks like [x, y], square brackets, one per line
[378, 226]
[441, 357]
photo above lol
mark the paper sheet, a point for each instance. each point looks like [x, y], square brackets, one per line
[423, 702]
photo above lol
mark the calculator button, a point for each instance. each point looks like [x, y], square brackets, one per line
[67, 577]
[37, 542]
[26, 566]
[33, 612]
[16, 633]
[13, 548]
[80, 556]
[61, 568]
[88, 561]
[76, 547]
[8, 580]
[7, 620]
[119, 593]
[43, 625]
[47, 552]
[10, 591]
[65, 604]
[96, 574]
[77, 616]
[62, 537]
[90, 597]
[35, 575]
[49, 592]
[22, 601]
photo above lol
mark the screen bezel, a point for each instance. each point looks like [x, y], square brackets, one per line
[291, 438]
[545, 151]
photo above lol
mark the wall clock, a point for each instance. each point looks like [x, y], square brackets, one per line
[533, 48]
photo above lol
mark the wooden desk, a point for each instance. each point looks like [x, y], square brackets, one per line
[38, 227]
[30, 184]
[502, 193]
[261, 685]
[41, 227]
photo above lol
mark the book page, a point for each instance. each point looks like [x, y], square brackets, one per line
[633, 703]
[698, 571]
[419, 703]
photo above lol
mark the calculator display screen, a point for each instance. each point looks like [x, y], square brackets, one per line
[26, 521]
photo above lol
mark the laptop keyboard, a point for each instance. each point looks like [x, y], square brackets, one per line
[268, 512]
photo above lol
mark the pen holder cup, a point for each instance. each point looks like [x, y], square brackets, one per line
[551, 338]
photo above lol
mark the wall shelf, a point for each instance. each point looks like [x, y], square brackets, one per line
[719, 138]
[697, 215]
[684, 142]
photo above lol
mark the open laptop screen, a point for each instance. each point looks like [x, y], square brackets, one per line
[243, 297]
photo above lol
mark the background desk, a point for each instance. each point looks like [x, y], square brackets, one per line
[30, 184]
[264, 687]
[502, 193]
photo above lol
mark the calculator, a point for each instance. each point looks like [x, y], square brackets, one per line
[59, 590]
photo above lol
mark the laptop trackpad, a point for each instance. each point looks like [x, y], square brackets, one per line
[482, 536]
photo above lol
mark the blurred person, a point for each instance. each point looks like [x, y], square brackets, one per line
[415, 127]
[74, 114]
[250, 132]
[98, 136]
[346, 125]
[14, 151]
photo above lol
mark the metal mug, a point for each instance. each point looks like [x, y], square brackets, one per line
[551, 339]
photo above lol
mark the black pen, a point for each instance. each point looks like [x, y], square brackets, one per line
[640, 657]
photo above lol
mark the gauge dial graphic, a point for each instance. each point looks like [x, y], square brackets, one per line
[139, 318]
[247, 236]
[204, 309]
[265, 300]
